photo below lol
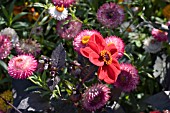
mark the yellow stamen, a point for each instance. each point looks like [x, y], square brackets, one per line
[107, 57]
[85, 39]
[60, 9]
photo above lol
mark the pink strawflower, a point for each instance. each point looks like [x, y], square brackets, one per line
[66, 3]
[159, 35]
[110, 15]
[68, 28]
[95, 97]
[5, 46]
[168, 23]
[22, 66]
[81, 40]
[155, 111]
[118, 42]
[128, 78]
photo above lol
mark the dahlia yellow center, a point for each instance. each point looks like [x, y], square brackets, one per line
[85, 39]
[60, 9]
[106, 56]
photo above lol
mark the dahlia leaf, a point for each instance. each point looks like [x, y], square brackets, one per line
[58, 56]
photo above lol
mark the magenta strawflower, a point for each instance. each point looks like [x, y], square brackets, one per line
[81, 40]
[68, 28]
[118, 42]
[5, 46]
[128, 78]
[22, 66]
[159, 35]
[95, 97]
[110, 15]
[66, 3]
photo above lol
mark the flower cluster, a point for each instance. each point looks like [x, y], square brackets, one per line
[84, 56]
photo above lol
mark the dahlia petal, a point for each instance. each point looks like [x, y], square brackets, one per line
[86, 51]
[94, 47]
[113, 50]
[115, 63]
[98, 39]
[102, 72]
[113, 72]
[108, 80]
[94, 58]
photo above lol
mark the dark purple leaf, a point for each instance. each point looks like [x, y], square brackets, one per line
[27, 101]
[58, 56]
[161, 100]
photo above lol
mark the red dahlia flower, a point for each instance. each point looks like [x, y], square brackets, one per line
[103, 56]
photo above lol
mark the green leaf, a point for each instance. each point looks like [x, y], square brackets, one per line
[5, 12]
[4, 80]
[32, 88]
[44, 19]
[38, 5]
[19, 25]
[19, 15]
[2, 21]
[11, 7]
[3, 64]
[50, 24]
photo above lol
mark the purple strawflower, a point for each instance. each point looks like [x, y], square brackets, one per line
[66, 3]
[110, 15]
[68, 28]
[95, 97]
[28, 46]
[128, 78]
[5, 46]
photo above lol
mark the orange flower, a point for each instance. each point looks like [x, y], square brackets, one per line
[166, 11]
[17, 9]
